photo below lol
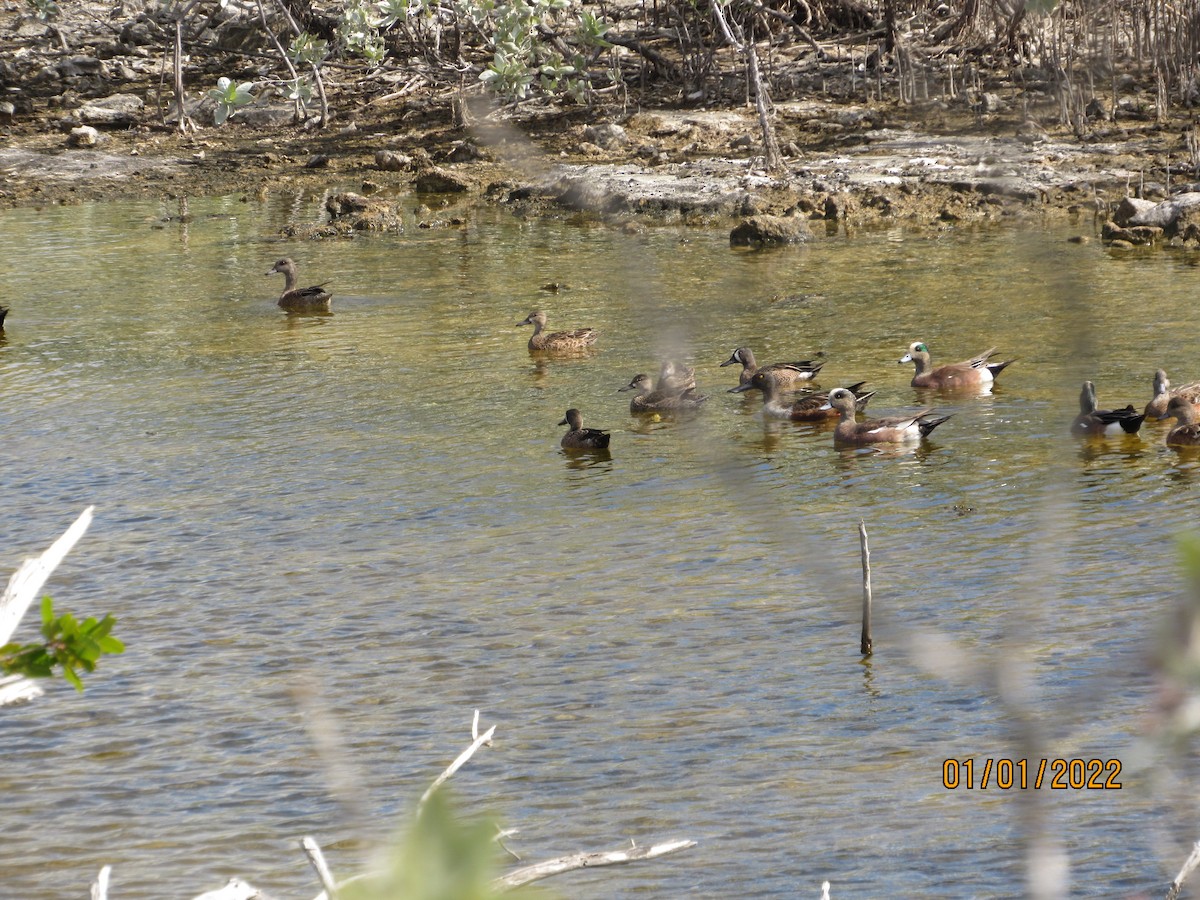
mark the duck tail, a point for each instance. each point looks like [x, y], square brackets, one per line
[860, 400]
[997, 368]
[927, 425]
[1131, 423]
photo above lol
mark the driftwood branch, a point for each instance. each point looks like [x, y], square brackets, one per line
[479, 741]
[100, 885]
[537, 871]
[1189, 866]
[317, 859]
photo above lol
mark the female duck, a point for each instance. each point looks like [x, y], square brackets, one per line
[1093, 421]
[648, 399]
[969, 373]
[1163, 392]
[294, 299]
[580, 438]
[807, 408]
[556, 341]
[786, 374]
[1187, 432]
[890, 430]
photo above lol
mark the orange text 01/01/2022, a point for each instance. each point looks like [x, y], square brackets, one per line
[1022, 774]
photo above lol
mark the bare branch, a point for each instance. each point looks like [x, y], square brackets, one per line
[518, 877]
[1189, 866]
[27, 581]
[479, 741]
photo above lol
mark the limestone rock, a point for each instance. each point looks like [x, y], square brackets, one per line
[757, 231]
[117, 110]
[436, 180]
[83, 136]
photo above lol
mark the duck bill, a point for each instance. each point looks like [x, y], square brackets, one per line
[730, 362]
[907, 357]
[824, 406]
[741, 388]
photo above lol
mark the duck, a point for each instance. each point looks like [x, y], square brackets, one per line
[556, 341]
[812, 407]
[294, 299]
[3, 313]
[969, 373]
[580, 438]
[648, 399]
[786, 374]
[1163, 392]
[1093, 421]
[1187, 432]
[889, 430]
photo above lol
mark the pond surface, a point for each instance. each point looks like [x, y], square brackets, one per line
[362, 525]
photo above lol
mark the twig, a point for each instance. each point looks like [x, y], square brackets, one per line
[317, 859]
[1189, 866]
[479, 741]
[865, 644]
[518, 877]
[185, 121]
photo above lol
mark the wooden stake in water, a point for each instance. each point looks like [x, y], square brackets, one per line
[865, 643]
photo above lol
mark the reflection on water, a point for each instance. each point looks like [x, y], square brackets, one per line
[666, 634]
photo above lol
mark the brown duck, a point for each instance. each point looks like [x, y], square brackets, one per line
[556, 341]
[786, 374]
[1187, 432]
[650, 399]
[294, 299]
[890, 430]
[813, 407]
[1163, 392]
[580, 438]
[969, 373]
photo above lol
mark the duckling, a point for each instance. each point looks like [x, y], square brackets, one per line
[1095, 421]
[889, 430]
[1187, 432]
[557, 341]
[812, 407]
[786, 374]
[1163, 392]
[650, 400]
[969, 373]
[294, 299]
[580, 438]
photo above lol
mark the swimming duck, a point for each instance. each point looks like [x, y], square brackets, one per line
[1163, 392]
[294, 299]
[890, 430]
[969, 373]
[648, 399]
[580, 438]
[813, 407]
[785, 373]
[1104, 421]
[556, 341]
[1187, 432]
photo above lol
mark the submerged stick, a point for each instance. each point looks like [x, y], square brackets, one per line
[518, 877]
[865, 644]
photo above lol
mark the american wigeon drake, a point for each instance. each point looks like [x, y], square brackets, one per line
[786, 374]
[968, 373]
[1093, 421]
[813, 407]
[648, 399]
[294, 299]
[1187, 432]
[556, 341]
[889, 430]
[1163, 392]
[580, 438]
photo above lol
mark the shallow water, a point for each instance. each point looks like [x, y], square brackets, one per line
[372, 506]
